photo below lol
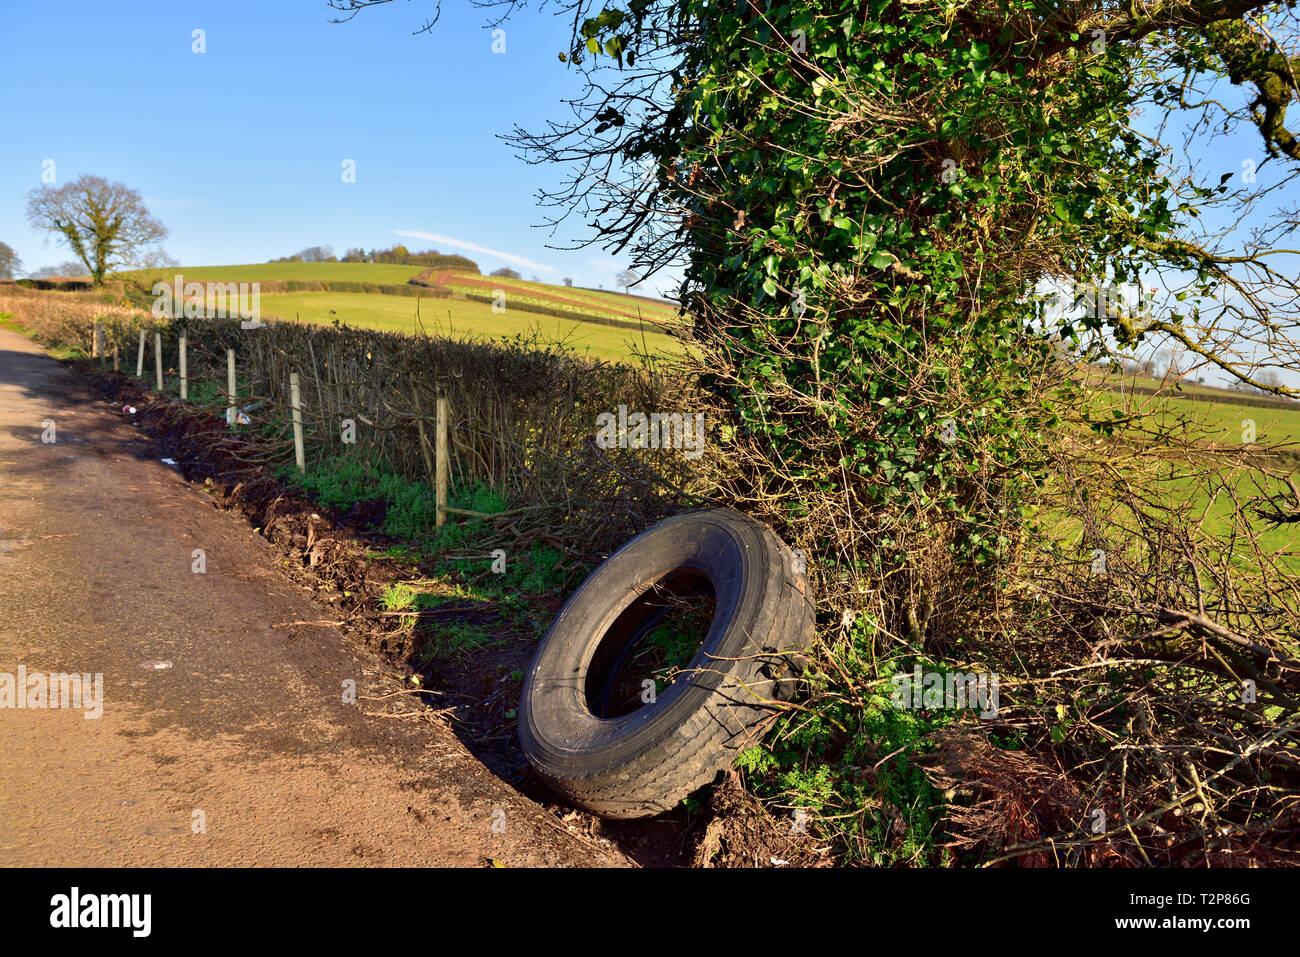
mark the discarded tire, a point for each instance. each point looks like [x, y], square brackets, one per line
[605, 722]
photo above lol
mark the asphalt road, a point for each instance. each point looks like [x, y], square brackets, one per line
[242, 751]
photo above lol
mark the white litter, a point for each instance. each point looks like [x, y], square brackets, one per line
[168, 461]
[155, 665]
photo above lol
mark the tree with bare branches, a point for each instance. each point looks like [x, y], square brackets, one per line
[104, 223]
[10, 264]
[627, 279]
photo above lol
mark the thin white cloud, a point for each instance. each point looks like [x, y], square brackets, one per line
[475, 247]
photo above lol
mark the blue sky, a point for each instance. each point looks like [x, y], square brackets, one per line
[239, 150]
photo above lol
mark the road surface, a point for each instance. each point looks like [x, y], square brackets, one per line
[223, 739]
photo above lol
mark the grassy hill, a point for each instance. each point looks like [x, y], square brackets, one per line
[580, 301]
[1220, 420]
[606, 325]
[1207, 413]
[460, 319]
[302, 272]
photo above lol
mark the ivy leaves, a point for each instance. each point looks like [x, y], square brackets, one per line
[607, 24]
[899, 177]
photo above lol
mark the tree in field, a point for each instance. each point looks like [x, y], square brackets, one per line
[398, 255]
[315, 254]
[568, 280]
[505, 272]
[10, 264]
[105, 224]
[627, 279]
[158, 259]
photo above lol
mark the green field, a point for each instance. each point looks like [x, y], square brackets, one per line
[459, 319]
[455, 317]
[1219, 420]
[302, 272]
[1217, 511]
[1216, 418]
[1224, 421]
[610, 304]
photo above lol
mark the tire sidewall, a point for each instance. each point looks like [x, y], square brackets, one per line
[560, 735]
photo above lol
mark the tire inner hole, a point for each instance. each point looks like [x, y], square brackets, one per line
[651, 644]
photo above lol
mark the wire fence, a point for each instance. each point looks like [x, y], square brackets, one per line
[519, 417]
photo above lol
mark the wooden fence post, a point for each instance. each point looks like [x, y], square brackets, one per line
[157, 358]
[441, 484]
[185, 379]
[139, 360]
[296, 399]
[231, 413]
[97, 345]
